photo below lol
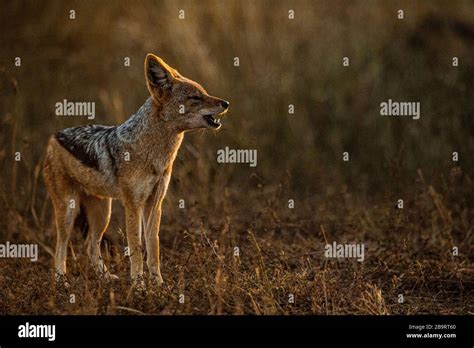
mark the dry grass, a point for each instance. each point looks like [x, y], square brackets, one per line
[281, 253]
[408, 251]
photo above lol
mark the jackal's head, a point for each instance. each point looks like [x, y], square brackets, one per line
[182, 102]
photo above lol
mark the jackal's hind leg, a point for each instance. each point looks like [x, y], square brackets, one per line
[66, 204]
[66, 210]
[98, 212]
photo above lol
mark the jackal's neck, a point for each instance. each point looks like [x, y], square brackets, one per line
[145, 121]
[138, 123]
[147, 132]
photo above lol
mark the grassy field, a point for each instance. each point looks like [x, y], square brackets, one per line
[280, 254]
[281, 267]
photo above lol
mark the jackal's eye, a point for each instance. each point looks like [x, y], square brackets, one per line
[195, 97]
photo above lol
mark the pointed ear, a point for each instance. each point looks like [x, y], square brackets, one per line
[159, 75]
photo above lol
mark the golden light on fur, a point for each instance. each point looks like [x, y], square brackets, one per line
[88, 166]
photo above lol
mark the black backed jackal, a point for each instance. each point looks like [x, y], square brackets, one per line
[88, 166]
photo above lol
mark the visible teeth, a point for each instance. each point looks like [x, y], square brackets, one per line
[218, 120]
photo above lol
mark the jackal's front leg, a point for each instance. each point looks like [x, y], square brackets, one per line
[133, 224]
[152, 238]
[152, 227]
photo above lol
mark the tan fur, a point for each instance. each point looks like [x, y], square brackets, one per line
[140, 183]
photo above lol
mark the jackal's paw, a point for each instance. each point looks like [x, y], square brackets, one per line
[61, 282]
[138, 284]
[156, 280]
[138, 289]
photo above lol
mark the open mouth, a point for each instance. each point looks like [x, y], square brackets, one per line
[212, 121]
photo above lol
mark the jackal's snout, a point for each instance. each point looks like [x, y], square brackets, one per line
[225, 104]
[212, 117]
